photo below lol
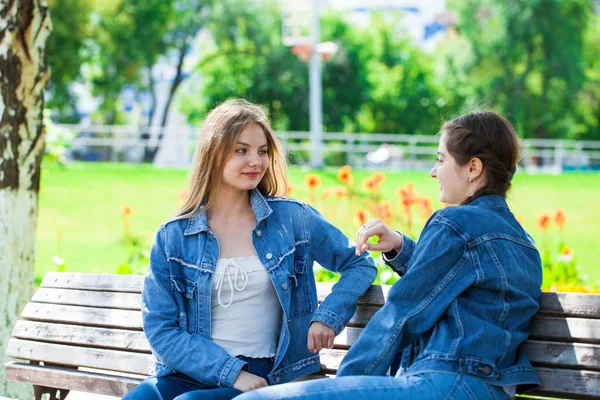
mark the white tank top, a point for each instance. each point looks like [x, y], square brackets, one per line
[245, 310]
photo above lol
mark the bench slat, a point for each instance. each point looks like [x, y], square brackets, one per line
[568, 383]
[117, 339]
[102, 282]
[563, 355]
[582, 330]
[113, 360]
[83, 315]
[125, 301]
[64, 378]
[584, 305]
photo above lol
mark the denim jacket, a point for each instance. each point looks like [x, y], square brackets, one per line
[289, 235]
[468, 291]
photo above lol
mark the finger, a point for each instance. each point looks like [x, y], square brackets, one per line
[380, 246]
[319, 342]
[330, 341]
[360, 242]
[311, 341]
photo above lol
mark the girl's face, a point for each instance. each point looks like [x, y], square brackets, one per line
[248, 162]
[454, 179]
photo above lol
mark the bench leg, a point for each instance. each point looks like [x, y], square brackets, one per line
[55, 394]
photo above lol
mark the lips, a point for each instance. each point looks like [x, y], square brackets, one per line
[251, 174]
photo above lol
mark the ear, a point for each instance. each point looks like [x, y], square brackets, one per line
[475, 168]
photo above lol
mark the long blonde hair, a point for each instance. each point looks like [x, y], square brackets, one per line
[220, 131]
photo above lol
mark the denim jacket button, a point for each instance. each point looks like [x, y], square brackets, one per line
[269, 256]
[259, 233]
[284, 286]
[278, 380]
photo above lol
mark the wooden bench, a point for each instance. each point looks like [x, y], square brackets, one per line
[84, 332]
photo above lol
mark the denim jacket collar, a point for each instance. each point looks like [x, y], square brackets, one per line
[490, 200]
[260, 207]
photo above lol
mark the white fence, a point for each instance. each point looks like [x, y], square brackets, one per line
[369, 150]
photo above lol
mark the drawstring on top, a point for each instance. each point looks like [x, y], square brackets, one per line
[233, 283]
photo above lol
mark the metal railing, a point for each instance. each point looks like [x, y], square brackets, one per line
[368, 150]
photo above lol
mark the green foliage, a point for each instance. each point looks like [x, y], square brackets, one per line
[525, 58]
[66, 53]
[403, 95]
[247, 59]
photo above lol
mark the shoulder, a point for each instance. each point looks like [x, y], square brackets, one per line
[287, 204]
[173, 226]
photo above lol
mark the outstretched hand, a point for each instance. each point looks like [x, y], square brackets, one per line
[387, 239]
[320, 336]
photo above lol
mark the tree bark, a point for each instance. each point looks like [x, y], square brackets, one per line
[24, 30]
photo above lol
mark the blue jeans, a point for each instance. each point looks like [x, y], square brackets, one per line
[182, 387]
[430, 386]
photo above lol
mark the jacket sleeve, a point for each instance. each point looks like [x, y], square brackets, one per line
[440, 270]
[193, 355]
[398, 261]
[336, 252]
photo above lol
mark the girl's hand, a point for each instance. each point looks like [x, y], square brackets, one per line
[320, 336]
[387, 239]
[247, 381]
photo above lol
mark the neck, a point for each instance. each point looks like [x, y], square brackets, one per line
[229, 203]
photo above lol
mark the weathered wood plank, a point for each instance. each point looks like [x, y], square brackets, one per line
[374, 297]
[88, 298]
[100, 282]
[563, 355]
[346, 338]
[64, 378]
[113, 360]
[582, 305]
[582, 330]
[117, 339]
[555, 382]
[569, 384]
[108, 318]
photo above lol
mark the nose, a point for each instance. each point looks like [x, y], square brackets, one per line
[433, 172]
[254, 160]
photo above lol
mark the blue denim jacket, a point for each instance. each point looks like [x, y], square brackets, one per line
[469, 289]
[289, 235]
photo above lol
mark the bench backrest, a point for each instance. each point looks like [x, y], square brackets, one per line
[94, 321]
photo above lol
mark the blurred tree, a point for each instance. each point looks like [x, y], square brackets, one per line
[130, 37]
[404, 96]
[525, 58]
[246, 58]
[588, 102]
[24, 71]
[66, 53]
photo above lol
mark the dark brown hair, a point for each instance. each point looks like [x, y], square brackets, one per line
[489, 137]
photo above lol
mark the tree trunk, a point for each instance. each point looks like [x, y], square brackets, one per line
[24, 29]
[150, 152]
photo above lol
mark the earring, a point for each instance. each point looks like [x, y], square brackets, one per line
[470, 180]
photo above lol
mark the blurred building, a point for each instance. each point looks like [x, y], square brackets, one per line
[426, 21]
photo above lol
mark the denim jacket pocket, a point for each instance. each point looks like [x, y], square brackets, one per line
[302, 286]
[186, 292]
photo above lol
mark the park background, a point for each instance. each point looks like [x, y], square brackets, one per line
[102, 101]
[131, 83]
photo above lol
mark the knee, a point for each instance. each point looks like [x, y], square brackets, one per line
[146, 390]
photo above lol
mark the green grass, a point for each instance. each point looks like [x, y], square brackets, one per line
[83, 202]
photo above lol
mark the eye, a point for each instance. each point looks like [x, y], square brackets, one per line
[262, 152]
[437, 159]
[241, 151]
